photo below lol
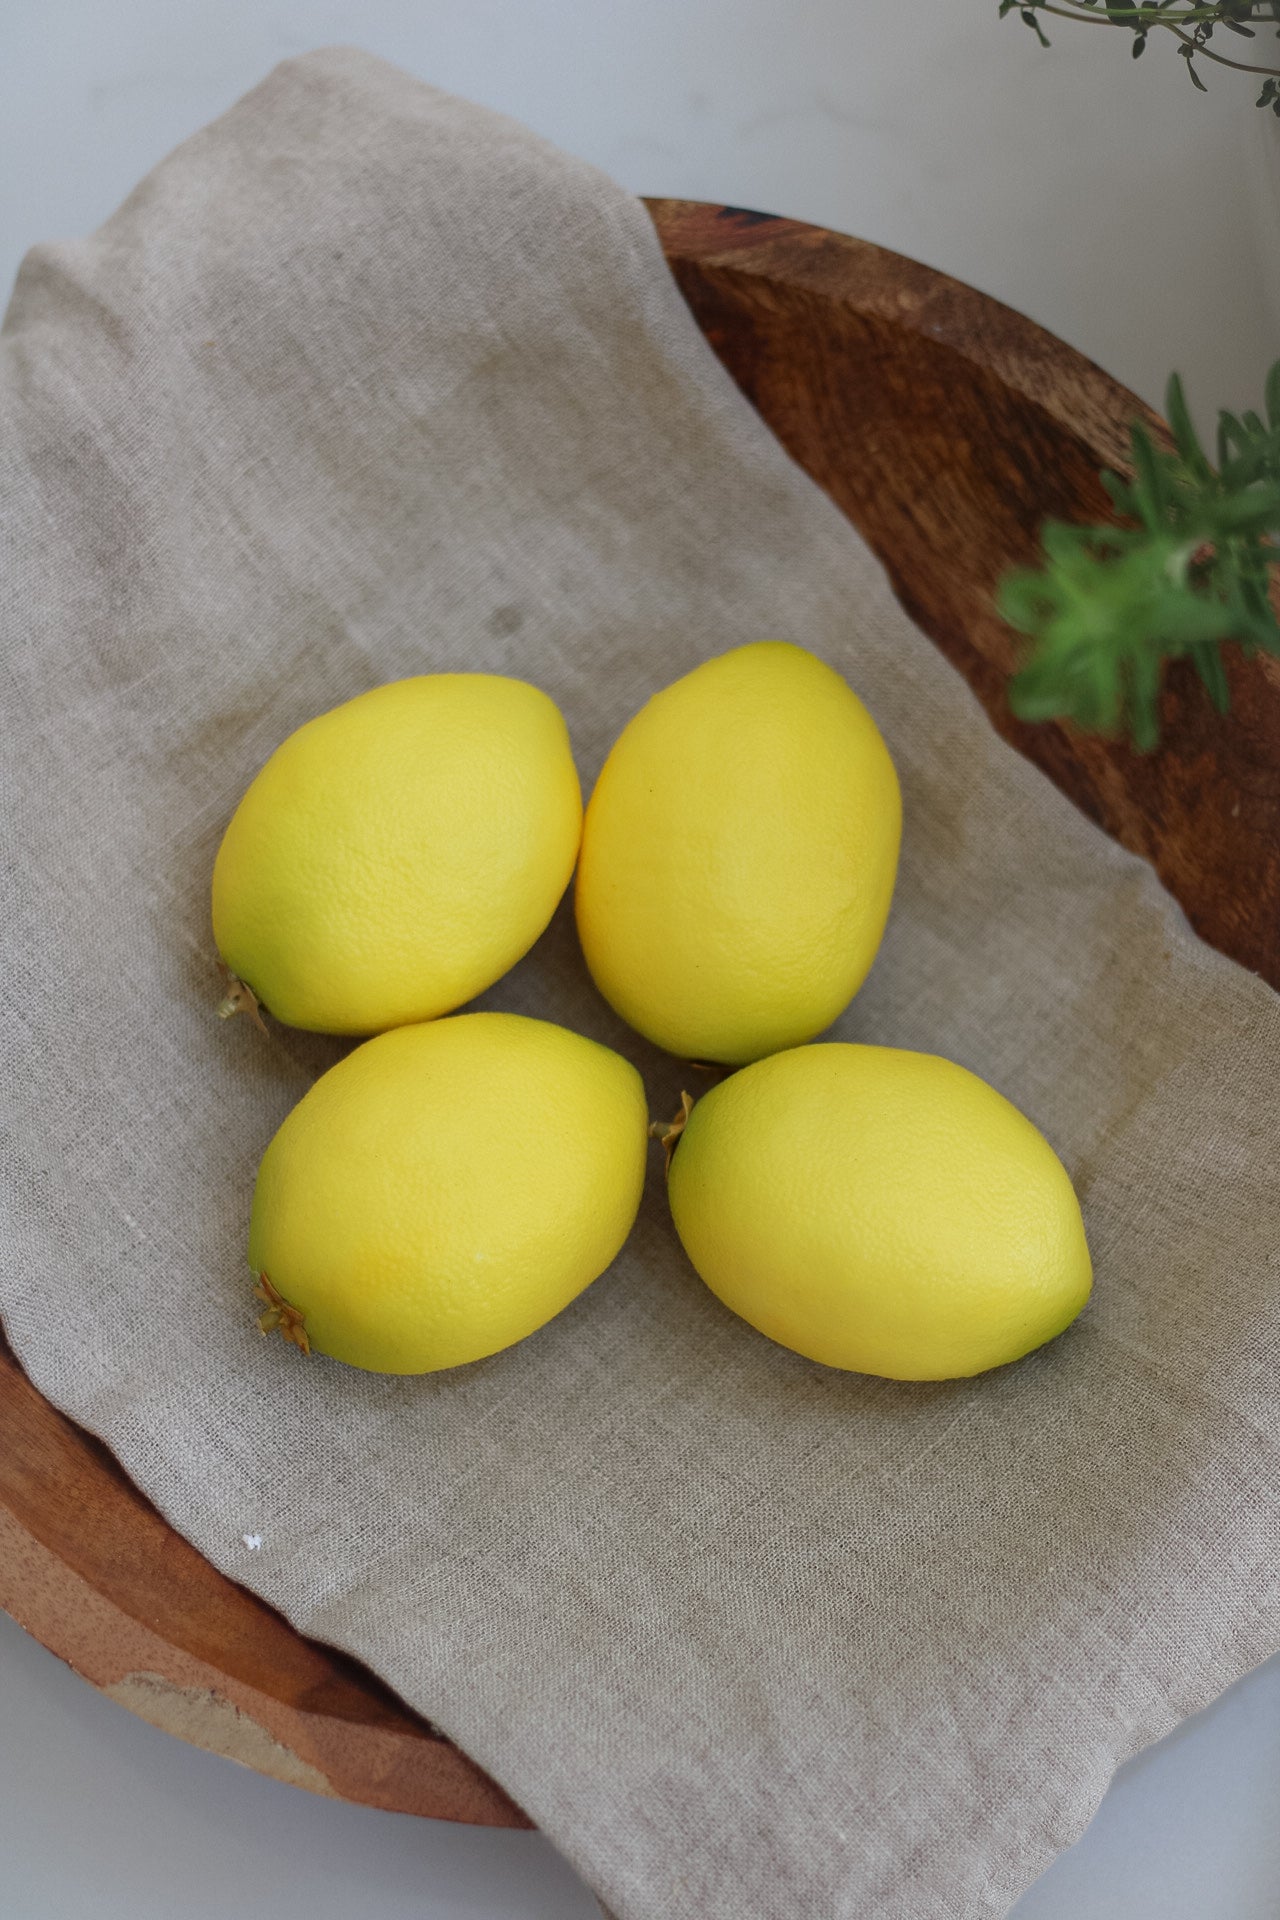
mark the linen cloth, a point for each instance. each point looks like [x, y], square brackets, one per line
[364, 381]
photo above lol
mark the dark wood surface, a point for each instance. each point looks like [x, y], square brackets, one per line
[946, 427]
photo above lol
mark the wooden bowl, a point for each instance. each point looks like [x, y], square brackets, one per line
[946, 427]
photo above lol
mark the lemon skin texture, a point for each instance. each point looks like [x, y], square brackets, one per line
[882, 1211]
[739, 855]
[398, 854]
[448, 1188]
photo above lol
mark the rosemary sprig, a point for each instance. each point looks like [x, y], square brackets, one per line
[1191, 571]
[1191, 26]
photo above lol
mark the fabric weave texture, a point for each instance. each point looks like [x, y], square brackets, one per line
[365, 381]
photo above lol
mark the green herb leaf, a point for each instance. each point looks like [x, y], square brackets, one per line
[1184, 434]
[1186, 573]
[1193, 24]
[1188, 54]
[1208, 664]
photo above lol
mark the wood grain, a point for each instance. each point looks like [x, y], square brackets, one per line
[88, 1566]
[946, 427]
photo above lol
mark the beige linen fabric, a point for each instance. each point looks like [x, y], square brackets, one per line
[364, 381]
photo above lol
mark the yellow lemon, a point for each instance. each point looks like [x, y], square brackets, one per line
[738, 856]
[879, 1210]
[446, 1189]
[397, 855]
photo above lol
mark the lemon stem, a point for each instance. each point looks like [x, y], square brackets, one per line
[239, 998]
[279, 1314]
[669, 1131]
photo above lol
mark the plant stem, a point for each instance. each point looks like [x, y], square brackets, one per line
[1240, 66]
[1135, 16]
[1131, 16]
[1093, 19]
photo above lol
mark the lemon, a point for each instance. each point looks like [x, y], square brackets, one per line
[738, 856]
[446, 1189]
[398, 854]
[883, 1211]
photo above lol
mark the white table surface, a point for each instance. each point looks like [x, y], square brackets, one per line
[1102, 197]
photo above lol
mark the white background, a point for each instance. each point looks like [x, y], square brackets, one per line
[1101, 196]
